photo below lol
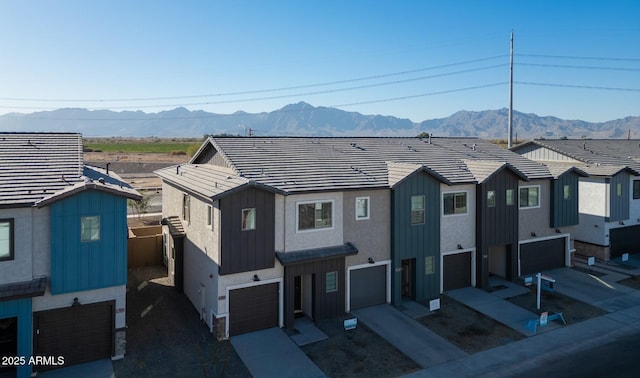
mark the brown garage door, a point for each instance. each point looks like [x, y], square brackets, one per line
[79, 333]
[253, 308]
[543, 255]
[624, 240]
[368, 286]
[456, 271]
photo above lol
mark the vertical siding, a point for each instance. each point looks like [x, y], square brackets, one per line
[564, 212]
[416, 241]
[326, 305]
[619, 205]
[496, 225]
[253, 249]
[77, 266]
[21, 309]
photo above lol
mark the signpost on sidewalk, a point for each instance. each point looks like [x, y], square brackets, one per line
[549, 281]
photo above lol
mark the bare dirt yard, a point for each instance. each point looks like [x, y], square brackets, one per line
[356, 353]
[468, 329]
[632, 282]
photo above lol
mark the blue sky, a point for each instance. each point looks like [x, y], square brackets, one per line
[414, 59]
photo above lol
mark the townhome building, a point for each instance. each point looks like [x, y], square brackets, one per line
[63, 253]
[260, 231]
[609, 202]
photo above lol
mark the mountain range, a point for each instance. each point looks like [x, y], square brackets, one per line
[302, 119]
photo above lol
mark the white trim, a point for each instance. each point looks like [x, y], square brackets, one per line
[368, 208]
[333, 218]
[364, 266]
[539, 197]
[251, 284]
[466, 199]
[455, 252]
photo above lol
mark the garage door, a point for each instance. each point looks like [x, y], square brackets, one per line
[368, 286]
[79, 333]
[624, 240]
[543, 255]
[253, 308]
[456, 271]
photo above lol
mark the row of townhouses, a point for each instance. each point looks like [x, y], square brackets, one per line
[63, 253]
[261, 230]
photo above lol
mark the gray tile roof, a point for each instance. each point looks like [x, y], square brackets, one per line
[596, 153]
[557, 169]
[483, 170]
[44, 167]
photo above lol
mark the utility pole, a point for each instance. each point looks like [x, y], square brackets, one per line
[510, 132]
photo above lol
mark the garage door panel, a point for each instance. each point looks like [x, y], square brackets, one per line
[253, 308]
[368, 286]
[456, 271]
[541, 256]
[624, 240]
[79, 333]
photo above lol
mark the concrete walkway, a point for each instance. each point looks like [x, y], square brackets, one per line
[413, 339]
[271, 353]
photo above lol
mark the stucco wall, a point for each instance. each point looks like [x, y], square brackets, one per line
[458, 229]
[590, 229]
[371, 236]
[536, 219]
[594, 196]
[25, 240]
[634, 204]
[294, 240]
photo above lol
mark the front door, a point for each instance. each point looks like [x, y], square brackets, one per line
[8, 343]
[297, 299]
[408, 278]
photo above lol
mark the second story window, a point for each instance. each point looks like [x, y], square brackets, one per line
[90, 228]
[315, 215]
[509, 194]
[619, 189]
[362, 208]
[529, 196]
[636, 189]
[6, 239]
[186, 207]
[417, 209]
[210, 216]
[566, 192]
[491, 198]
[248, 219]
[454, 203]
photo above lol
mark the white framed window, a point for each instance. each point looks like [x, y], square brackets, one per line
[362, 208]
[248, 219]
[454, 203]
[90, 228]
[529, 196]
[417, 209]
[6, 239]
[331, 283]
[210, 216]
[491, 198]
[186, 207]
[315, 215]
[509, 197]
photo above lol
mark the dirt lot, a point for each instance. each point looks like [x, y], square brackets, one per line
[357, 353]
[165, 337]
[632, 282]
[468, 329]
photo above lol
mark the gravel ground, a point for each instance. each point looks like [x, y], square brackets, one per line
[165, 337]
[573, 310]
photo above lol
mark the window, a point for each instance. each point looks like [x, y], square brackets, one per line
[619, 189]
[210, 216]
[509, 194]
[332, 282]
[566, 192]
[186, 207]
[362, 208]
[491, 198]
[636, 189]
[428, 265]
[315, 215]
[454, 203]
[90, 228]
[417, 209]
[248, 219]
[530, 196]
[6, 239]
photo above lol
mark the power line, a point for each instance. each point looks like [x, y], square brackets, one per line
[578, 86]
[578, 67]
[407, 72]
[581, 57]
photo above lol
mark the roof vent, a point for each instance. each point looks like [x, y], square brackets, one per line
[584, 145]
[177, 169]
[473, 147]
[101, 180]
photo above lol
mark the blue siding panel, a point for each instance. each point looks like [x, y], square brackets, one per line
[619, 204]
[564, 212]
[76, 265]
[21, 309]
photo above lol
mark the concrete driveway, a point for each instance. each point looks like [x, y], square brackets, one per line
[271, 353]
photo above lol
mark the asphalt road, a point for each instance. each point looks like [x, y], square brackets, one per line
[615, 359]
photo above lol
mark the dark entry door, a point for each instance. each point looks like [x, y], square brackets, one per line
[408, 278]
[8, 342]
